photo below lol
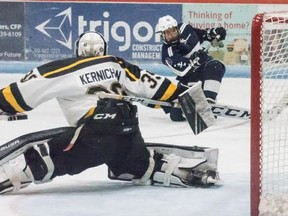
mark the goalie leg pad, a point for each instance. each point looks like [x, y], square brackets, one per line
[189, 152]
[39, 160]
[178, 165]
[15, 174]
[35, 165]
[177, 170]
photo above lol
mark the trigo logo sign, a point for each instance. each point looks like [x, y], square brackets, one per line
[59, 28]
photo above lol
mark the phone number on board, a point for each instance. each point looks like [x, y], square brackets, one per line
[10, 34]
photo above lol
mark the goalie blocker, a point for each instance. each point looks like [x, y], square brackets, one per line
[196, 108]
[180, 166]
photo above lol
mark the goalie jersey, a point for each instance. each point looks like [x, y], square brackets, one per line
[74, 83]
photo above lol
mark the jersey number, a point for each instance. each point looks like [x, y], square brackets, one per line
[28, 76]
[115, 87]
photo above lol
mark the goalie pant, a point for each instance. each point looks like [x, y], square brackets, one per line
[124, 153]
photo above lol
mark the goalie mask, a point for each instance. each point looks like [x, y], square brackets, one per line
[91, 44]
[168, 27]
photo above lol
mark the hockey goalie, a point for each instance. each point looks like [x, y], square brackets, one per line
[103, 131]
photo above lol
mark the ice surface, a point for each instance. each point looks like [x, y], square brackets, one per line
[92, 193]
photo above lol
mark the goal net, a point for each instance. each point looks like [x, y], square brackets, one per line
[269, 114]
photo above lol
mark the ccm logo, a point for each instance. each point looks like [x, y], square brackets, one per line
[244, 114]
[128, 99]
[105, 116]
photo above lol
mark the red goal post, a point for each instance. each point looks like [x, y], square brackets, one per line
[269, 114]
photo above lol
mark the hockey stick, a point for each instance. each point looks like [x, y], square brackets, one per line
[221, 110]
[8, 117]
[217, 109]
[192, 102]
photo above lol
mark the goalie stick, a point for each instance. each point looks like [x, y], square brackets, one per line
[8, 117]
[19, 145]
[193, 103]
[217, 109]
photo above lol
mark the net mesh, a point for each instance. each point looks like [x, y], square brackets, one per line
[274, 115]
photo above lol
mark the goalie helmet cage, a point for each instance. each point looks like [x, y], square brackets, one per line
[269, 118]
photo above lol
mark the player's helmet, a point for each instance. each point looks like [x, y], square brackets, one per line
[165, 23]
[91, 43]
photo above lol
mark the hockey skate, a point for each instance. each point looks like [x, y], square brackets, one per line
[203, 178]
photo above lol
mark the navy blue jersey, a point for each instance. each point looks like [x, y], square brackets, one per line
[176, 55]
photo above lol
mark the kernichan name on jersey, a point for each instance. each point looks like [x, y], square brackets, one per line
[96, 76]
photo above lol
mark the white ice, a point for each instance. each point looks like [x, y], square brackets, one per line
[92, 193]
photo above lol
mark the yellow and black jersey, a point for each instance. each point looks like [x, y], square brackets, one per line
[74, 82]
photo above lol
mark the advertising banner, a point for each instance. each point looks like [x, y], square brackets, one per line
[12, 31]
[236, 19]
[130, 29]
[33, 32]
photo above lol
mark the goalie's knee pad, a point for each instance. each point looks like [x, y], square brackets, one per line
[35, 165]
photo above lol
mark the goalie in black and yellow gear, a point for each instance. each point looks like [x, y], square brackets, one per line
[103, 131]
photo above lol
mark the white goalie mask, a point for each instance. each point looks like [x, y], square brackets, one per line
[91, 44]
[168, 23]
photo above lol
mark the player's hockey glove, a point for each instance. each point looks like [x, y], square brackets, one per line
[216, 33]
[199, 58]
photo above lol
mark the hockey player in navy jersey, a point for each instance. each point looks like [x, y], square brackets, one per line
[183, 54]
[103, 131]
